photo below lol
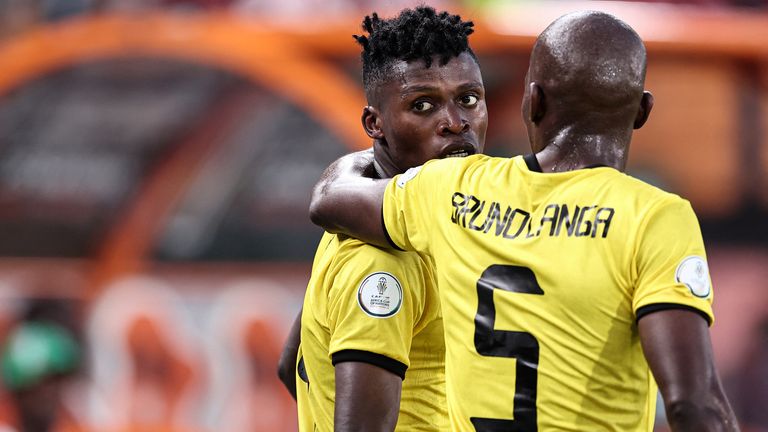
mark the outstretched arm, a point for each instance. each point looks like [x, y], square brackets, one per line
[677, 346]
[286, 367]
[347, 201]
[367, 398]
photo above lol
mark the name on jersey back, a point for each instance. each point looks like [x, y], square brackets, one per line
[476, 214]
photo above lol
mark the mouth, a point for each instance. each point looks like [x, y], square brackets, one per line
[458, 150]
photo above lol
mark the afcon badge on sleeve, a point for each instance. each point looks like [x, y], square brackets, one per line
[694, 273]
[407, 176]
[380, 295]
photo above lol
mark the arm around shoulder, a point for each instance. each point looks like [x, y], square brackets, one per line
[677, 345]
[346, 201]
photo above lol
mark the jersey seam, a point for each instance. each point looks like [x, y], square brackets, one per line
[640, 233]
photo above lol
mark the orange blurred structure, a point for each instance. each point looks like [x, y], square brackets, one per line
[699, 65]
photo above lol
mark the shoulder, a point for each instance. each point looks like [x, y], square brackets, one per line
[444, 171]
[368, 271]
[661, 217]
[367, 258]
[652, 197]
[458, 165]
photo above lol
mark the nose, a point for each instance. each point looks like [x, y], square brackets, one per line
[453, 122]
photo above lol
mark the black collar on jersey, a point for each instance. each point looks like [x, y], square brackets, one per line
[533, 163]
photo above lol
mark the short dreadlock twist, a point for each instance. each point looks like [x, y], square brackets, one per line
[419, 33]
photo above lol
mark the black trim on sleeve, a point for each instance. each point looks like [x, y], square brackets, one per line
[301, 371]
[379, 360]
[386, 234]
[651, 308]
[532, 162]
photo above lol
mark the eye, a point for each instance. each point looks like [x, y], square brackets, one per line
[422, 106]
[469, 100]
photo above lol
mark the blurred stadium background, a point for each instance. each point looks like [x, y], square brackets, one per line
[156, 158]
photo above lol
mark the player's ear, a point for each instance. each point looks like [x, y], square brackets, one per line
[372, 122]
[646, 104]
[538, 106]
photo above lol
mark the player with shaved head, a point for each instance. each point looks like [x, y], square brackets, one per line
[569, 289]
[591, 68]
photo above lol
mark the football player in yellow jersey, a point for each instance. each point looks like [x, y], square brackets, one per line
[372, 352]
[566, 285]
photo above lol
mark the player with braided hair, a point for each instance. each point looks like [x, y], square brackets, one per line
[372, 353]
[415, 34]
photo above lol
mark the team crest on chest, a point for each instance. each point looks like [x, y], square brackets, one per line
[694, 273]
[380, 295]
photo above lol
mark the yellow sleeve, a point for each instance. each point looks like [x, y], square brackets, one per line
[672, 269]
[376, 298]
[406, 207]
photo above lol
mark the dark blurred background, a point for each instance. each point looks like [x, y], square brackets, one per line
[156, 158]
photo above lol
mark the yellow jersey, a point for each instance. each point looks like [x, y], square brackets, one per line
[375, 306]
[542, 278]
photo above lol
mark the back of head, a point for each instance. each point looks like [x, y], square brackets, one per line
[590, 63]
[415, 34]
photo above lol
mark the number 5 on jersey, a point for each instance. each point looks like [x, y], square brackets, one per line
[512, 344]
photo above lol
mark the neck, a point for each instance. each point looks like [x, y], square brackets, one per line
[568, 151]
[382, 161]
